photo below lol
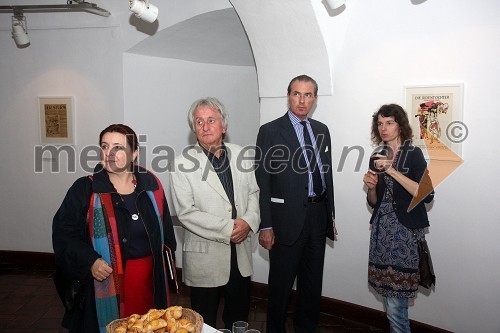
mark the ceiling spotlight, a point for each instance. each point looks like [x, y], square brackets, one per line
[143, 10]
[335, 4]
[20, 29]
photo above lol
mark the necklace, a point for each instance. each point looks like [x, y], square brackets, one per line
[135, 217]
[129, 201]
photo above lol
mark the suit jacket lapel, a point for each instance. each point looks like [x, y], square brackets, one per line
[320, 143]
[236, 176]
[289, 134]
[208, 174]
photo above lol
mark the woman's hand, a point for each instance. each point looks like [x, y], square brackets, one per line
[101, 270]
[382, 163]
[370, 179]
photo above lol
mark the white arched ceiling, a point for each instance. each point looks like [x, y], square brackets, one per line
[216, 37]
[286, 41]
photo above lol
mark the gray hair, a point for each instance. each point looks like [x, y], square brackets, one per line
[212, 103]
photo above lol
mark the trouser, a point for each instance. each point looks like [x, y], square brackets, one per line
[303, 260]
[236, 295]
[397, 313]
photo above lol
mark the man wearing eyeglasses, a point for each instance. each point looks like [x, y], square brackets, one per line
[294, 174]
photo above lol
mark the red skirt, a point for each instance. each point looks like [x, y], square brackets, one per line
[138, 286]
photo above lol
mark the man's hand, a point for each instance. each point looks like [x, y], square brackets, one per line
[266, 239]
[240, 231]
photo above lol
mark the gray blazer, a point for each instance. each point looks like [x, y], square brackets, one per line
[204, 211]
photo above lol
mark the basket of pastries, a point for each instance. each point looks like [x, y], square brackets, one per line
[174, 319]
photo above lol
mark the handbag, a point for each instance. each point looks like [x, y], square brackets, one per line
[425, 268]
[71, 292]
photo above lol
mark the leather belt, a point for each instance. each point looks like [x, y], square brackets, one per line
[317, 198]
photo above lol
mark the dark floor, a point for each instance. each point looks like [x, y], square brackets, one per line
[29, 303]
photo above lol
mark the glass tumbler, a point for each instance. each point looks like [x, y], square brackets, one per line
[240, 326]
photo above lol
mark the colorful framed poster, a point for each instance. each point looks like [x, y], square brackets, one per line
[435, 114]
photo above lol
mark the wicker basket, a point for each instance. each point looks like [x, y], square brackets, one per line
[189, 314]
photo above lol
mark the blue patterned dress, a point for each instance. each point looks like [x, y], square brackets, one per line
[393, 256]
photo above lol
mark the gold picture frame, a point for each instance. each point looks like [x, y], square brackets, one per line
[57, 120]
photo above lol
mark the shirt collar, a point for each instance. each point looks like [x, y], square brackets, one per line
[211, 156]
[296, 120]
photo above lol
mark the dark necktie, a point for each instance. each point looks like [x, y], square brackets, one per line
[313, 164]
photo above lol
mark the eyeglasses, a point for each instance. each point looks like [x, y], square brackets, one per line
[298, 95]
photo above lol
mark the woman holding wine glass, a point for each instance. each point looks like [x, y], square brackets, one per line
[393, 180]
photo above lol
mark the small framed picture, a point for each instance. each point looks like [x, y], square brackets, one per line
[57, 120]
[435, 113]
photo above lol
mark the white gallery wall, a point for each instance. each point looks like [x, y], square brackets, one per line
[60, 62]
[375, 48]
[387, 45]
[158, 95]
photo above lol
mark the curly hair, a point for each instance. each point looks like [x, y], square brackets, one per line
[212, 103]
[400, 116]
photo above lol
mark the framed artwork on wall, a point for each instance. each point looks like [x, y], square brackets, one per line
[435, 114]
[57, 120]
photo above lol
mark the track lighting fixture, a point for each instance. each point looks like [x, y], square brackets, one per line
[20, 29]
[143, 10]
[335, 4]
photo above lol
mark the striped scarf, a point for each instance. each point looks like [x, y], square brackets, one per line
[104, 236]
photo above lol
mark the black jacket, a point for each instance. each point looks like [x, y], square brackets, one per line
[282, 177]
[72, 246]
[412, 164]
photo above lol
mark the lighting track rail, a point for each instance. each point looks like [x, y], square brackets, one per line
[70, 6]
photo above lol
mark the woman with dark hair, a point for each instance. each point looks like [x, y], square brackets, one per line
[109, 234]
[396, 170]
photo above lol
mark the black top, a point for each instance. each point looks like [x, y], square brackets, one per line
[412, 164]
[223, 170]
[138, 246]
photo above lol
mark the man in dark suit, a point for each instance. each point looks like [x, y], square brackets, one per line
[294, 173]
